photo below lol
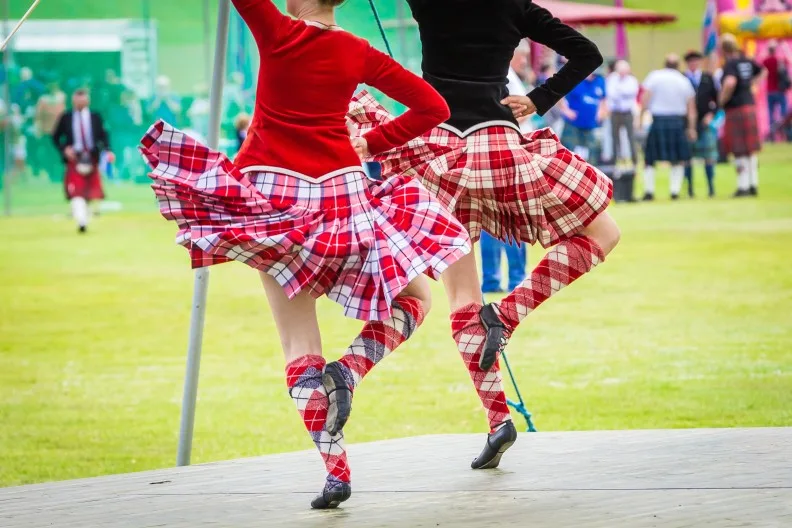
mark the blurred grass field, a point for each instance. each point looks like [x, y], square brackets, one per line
[687, 325]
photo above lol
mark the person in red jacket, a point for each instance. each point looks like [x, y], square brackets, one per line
[296, 205]
[523, 189]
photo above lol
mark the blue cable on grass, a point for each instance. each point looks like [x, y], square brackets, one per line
[381, 27]
[517, 406]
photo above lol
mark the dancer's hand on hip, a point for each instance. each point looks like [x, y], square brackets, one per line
[520, 105]
[361, 147]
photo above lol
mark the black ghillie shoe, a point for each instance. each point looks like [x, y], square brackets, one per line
[497, 337]
[339, 396]
[497, 444]
[334, 494]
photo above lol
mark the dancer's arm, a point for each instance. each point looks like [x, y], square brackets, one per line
[262, 17]
[583, 57]
[427, 108]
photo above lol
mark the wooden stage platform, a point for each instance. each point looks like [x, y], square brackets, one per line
[631, 479]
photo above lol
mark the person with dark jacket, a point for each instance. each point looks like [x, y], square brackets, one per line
[81, 137]
[524, 189]
[706, 145]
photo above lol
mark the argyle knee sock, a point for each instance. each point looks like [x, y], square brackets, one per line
[304, 379]
[561, 266]
[469, 334]
[379, 338]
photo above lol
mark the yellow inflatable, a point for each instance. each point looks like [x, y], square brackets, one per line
[760, 26]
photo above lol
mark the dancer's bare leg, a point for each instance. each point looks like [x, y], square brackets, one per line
[463, 287]
[298, 328]
[376, 341]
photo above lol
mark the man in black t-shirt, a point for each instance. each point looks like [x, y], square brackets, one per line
[741, 135]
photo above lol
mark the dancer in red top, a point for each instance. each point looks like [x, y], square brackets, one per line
[297, 206]
[518, 188]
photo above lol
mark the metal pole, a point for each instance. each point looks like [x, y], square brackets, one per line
[207, 10]
[7, 127]
[202, 275]
[402, 18]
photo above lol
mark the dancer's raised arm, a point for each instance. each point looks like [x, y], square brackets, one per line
[426, 108]
[583, 57]
[262, 17]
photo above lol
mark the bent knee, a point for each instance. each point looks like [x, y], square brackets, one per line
[605, 232]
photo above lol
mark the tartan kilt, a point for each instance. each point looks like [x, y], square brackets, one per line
[518, 188]
[706, 145]
[77, 185]
[667, 141]
[741, 131]
[358, 241]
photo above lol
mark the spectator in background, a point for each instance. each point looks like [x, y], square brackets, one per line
[198, 112]
[81, 138]
[622, 97]
[165, 104]
[778, 83]
[706, 145]
[125, 122]
[107, 93]
[28, 91]
[241, 125]
[49, 109]
[670, 98]
[584, 110]
[741, 131]
[492, 249]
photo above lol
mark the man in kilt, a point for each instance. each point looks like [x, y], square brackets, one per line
[523, 188]
[741, 132]
[670, 99]
[81, 138]
[706, 145]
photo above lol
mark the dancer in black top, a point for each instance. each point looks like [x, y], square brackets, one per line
[525, 189]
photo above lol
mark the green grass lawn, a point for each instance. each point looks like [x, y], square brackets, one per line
[686, 325]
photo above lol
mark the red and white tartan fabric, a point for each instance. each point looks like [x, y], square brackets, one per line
[88, 186]
[529, 189]
[357, 241]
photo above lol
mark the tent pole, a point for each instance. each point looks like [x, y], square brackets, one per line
[202, 275]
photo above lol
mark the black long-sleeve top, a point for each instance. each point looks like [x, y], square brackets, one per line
[468, 45]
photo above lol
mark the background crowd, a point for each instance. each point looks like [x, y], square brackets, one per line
[39, 98]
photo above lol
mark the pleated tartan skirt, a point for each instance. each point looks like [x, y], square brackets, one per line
[668, 141]
[357, 241]
[741, 131]
[518, 188]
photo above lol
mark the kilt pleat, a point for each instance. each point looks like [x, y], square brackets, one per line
[706, 145]
[357, 241]
[741, 131]
[667, 141]
[518, 188]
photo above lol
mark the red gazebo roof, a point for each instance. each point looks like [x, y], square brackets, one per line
[601, 15]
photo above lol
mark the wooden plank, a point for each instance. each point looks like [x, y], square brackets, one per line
[713, 478]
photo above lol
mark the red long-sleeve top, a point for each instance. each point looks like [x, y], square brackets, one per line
[308, 75]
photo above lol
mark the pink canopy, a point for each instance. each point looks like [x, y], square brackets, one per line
[576, 14]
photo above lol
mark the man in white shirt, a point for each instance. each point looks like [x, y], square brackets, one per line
[622, 98]
[670, 98]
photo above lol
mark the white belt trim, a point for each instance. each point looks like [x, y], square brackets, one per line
[299, 175]
[480, 126]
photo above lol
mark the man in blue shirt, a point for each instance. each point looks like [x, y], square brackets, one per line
[584, 109]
